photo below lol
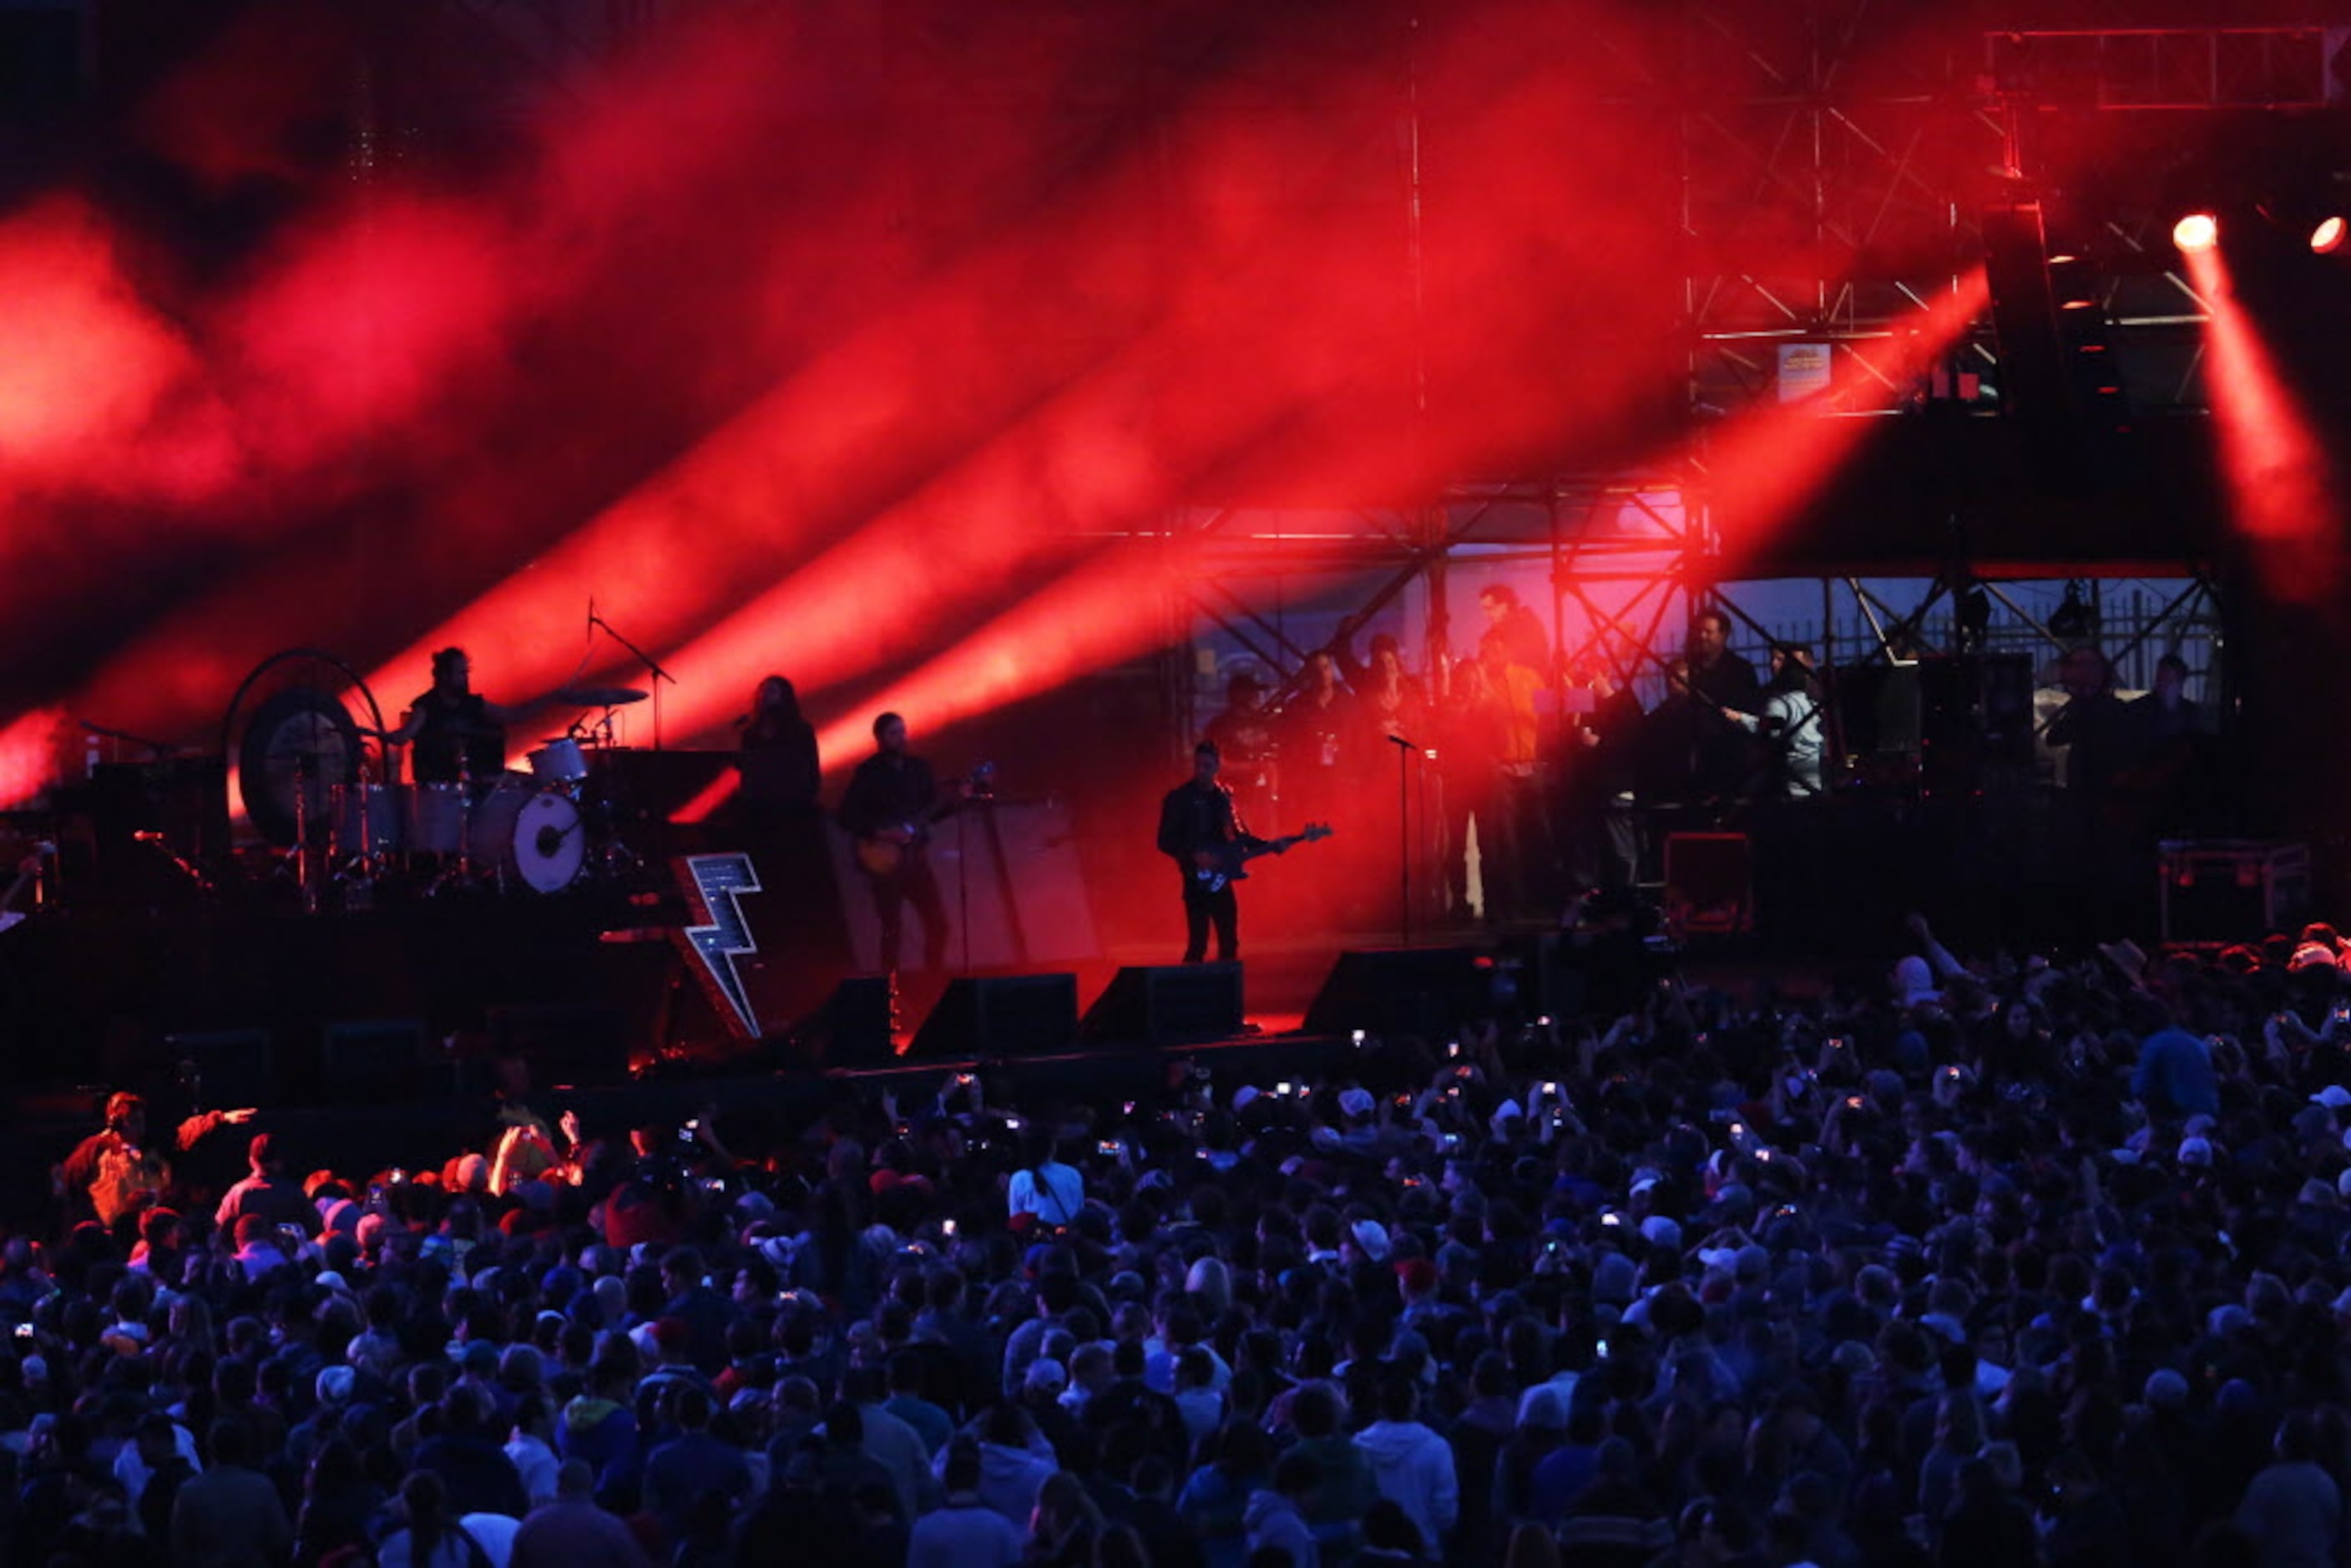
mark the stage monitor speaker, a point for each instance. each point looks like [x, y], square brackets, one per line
[373, 1062]
[573, 1044]
[232, 1067]
[850, 1029]
[1401, 990]
[1002, 1015]
[1166, 1004]
[1708, 882]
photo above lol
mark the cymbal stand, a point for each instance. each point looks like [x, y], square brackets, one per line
[612, 859]
[304, 877]
[359, 875]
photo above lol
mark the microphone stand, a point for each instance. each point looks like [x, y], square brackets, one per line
[653, 667]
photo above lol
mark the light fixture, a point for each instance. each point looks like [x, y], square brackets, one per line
[2074, 621]
[2326, 238]
[2196, 231]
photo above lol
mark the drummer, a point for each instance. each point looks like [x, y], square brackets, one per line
[457, 732]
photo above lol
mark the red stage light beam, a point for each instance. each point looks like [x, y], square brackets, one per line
[1096, 614]
[1776, 456]
[2279, 478]
[29, 754]
[85, 362]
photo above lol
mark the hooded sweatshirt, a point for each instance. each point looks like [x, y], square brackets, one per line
[1009, 1479]
[605, 1435]
[1346, 1494]
[1413, 1468]
[1272, 1519]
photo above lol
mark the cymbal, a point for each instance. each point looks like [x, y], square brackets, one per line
[600, 696]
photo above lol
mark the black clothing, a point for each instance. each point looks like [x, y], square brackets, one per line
[1245, 743]
[2097, 727]
[1194, 817]
[780, 773]
[1727, 683]
[894, 790]
[1719, 754]
[890, 790]
[1319, 768]
[452, 728]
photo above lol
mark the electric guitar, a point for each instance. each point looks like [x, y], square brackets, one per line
[30, 868]
[1227, 861]
[887, 852]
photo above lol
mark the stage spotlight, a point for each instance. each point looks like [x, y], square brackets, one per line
[2327, 238]
[2196, 231]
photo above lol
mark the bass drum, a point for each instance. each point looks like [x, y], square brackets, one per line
[538, 836]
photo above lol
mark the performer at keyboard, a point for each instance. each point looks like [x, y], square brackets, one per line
[779, 768]
[891, 801]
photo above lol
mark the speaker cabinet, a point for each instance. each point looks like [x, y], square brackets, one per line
[850, 1029]
[1166, 1004]
[232, 1067]
[373, 1062]
[571, 1045]
[1400, 990]
[1709, 883]
[1002, 1015]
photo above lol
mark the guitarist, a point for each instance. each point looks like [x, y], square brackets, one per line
[1197, 820]
[891, 801]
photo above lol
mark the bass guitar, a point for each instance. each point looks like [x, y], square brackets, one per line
[1226, 861]
[886, 853]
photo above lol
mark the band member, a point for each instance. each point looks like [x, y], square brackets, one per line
[1244, 737]
[1318, 734]
[783, 828]
[457, 732]
[1197, 824]
[891, 801]
[779, 769]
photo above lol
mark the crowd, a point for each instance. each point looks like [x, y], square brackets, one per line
[2026, 1261]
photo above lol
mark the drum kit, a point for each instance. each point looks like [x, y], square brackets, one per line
[543, 831]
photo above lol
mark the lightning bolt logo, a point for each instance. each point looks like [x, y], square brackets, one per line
[713, 886]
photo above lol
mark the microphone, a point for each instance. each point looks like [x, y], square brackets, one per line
[1400, 740]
